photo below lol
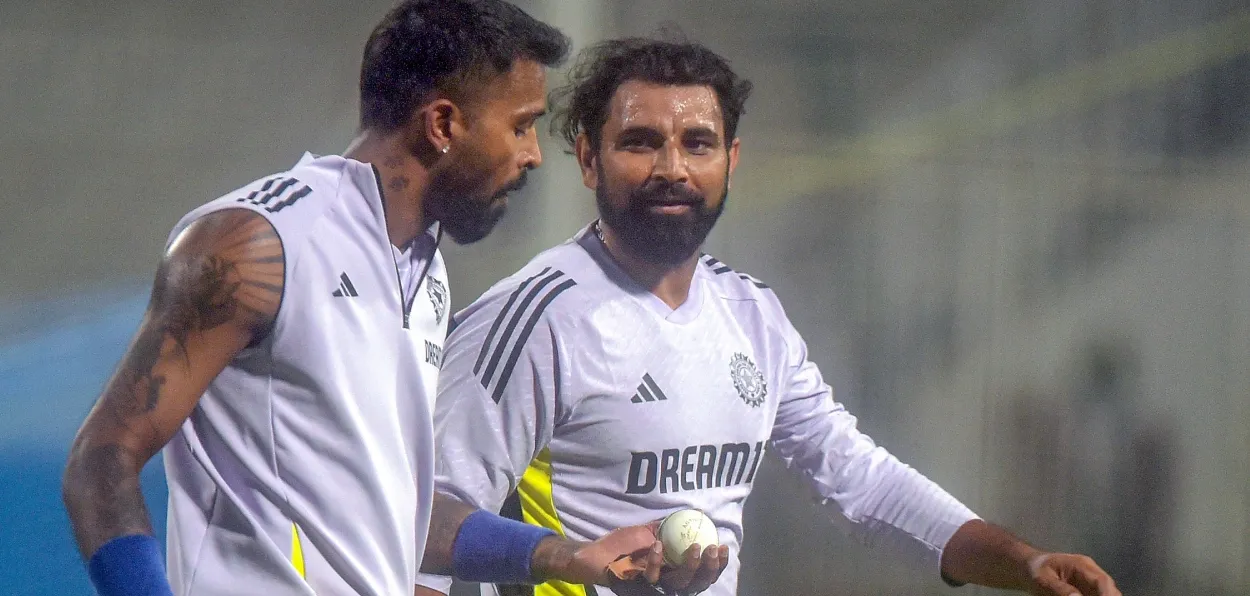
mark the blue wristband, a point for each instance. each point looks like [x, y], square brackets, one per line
[129, 566]
[495, 550]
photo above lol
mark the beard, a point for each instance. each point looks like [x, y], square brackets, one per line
[660, 238]
[457, 199]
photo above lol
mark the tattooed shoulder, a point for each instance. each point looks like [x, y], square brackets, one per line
[226, 266]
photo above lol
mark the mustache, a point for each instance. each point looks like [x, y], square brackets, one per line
[517, 184]
[669, 193]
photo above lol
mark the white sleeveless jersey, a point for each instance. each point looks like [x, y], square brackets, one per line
[307, 466]
[601, 407]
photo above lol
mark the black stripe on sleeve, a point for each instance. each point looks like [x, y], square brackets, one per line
[502, 344]
[525, 335]
[494, 328]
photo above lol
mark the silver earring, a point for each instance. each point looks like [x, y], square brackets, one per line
[446, 148]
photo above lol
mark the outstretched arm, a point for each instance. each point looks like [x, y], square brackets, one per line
[216, 291]
[886, 501]
[985, 554]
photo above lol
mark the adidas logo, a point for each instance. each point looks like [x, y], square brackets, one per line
[648, 391]
[346, 289]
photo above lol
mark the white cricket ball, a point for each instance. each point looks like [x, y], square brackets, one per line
[683, 528]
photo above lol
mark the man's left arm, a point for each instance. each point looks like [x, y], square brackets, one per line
[988, 555]
[884, 502]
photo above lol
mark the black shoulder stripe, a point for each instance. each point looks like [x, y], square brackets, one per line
[251, 197]
[286, 184]
[720, 268]
[290, 200]
[757, 283]
[715, 265]
[268, 192]
[503, 313]
[502, 344]
[525, 335]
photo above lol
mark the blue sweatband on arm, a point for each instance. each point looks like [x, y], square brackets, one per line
[129, 566]
[495, 550]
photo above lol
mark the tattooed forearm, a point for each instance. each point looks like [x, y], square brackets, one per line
[102, 496]
[216, 292]
[446, 515]
[552, 555]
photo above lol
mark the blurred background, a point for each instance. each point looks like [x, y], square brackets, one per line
[1015, 234]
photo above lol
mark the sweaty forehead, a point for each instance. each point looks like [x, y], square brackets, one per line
[664, 107]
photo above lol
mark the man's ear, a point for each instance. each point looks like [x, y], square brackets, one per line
[587, 160]
[441, 122]
[733, 161]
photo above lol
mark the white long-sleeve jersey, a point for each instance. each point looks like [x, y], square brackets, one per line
[600, 406]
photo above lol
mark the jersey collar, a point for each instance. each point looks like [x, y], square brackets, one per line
[687, 312]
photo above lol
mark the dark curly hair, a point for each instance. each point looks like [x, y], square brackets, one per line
[582, 104]
[448, 45]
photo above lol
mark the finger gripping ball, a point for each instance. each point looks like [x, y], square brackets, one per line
[683, 528]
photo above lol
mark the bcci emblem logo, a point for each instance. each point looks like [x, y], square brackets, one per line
[748, 380]
[438, 298]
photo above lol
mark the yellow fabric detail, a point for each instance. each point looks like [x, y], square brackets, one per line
[538, 507]
[297, 550]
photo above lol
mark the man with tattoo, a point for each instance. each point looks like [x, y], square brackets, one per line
[287, 361]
